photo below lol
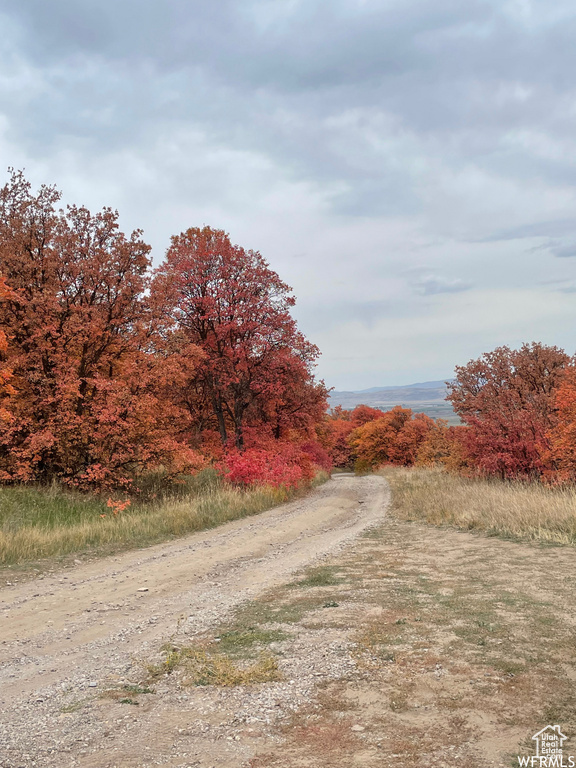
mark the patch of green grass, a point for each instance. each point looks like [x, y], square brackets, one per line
[119, 694]
[507, 666]
[375, 533]
[281, 607]
[46, 508]
[246, 642]
[42, 524]
[322, 576]
[136, 689]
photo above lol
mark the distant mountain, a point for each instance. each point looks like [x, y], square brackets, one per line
[427, 397]
[422, 385]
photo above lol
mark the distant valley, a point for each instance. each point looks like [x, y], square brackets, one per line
[424, 397]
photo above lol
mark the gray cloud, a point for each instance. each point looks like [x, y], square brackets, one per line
[551, 227]
[430, 135]
[430, 285]
[563, 250]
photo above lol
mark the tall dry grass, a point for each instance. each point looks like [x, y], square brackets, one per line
[37, 523]
[527, 511]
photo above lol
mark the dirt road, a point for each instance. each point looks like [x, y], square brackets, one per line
[66, 638]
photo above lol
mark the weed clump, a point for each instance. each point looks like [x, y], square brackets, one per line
[204, 666]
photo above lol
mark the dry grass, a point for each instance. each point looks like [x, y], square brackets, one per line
[523, 511]
[205, 666]
[38, 524]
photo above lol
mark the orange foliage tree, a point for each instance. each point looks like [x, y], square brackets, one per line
[562, 435]
[337, 428]
[86, 371]
[394, 438]
[444, 446]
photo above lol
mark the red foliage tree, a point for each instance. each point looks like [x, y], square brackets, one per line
[362, 414]
[7, 391]
[335, 438]
[506, 398]
[255, 374]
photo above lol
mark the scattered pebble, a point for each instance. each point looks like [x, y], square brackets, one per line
[63, 719]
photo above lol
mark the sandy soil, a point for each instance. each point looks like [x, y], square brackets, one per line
[66, 638]
[463, 648]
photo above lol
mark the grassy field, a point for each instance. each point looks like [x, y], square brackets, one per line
[522, 511]
[50, 523]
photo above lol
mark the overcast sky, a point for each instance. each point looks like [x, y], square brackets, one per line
[408, 166]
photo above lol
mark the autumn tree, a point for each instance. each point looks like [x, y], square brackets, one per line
[362, 414]
[336, 439]
[337, 428]
[506, 398]
[7, 391]
[255, 373]
[444, 446]
[394, 438]
[79, 344]
[562, 435]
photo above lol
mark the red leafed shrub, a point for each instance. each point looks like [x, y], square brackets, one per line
[318, 456]
[258, 467]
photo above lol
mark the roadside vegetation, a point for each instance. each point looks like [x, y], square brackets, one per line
[140, 405]
[37, 523]
[110, 371]
[520, 510]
